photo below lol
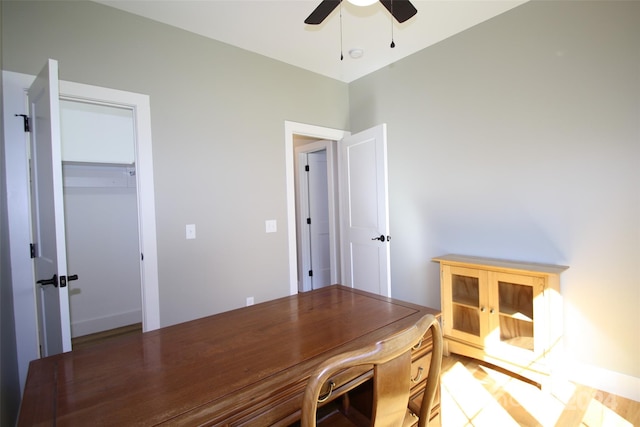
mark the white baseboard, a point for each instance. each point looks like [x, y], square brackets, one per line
[99, 324]
[603, 379]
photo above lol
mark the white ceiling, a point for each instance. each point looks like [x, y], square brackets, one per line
[276, 28]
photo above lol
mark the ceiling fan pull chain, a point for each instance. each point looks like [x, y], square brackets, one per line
[393, 44]
[341, 48]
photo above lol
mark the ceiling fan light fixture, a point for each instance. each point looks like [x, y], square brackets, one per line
[362, 2]
[401, 10]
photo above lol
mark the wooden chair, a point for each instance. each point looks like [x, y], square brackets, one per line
[391, 360]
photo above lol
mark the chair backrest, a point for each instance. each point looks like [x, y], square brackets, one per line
[391, 360]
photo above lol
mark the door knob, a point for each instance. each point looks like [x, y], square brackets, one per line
[53, 281]
[381, 238]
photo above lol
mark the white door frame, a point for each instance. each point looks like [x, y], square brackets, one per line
[18, 206]
[291, 129]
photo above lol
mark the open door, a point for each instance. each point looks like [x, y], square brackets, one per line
[364, 211]
[47, 213]
[317, 214]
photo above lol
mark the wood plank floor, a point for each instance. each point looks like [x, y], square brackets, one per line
[478, 395]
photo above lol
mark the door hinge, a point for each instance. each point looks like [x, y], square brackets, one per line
[306, 168]
[309, 221]
[310, 273]
[32, 250]
[25, 121]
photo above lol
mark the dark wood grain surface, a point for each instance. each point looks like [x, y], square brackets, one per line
[236, 367]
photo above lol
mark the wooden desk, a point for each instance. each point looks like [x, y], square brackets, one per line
[243, 367]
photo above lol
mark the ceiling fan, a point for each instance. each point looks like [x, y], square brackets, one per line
[400, 9]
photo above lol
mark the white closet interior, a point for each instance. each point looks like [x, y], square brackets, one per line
[101, 216]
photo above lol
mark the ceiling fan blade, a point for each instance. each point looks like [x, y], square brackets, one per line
[400, 9]
[322, 11]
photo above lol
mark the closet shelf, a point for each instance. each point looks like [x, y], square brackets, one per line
[98, 175]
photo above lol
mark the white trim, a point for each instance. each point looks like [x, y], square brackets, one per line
[104, 323]
[18, 217]
[290, 129]
[603, 379]
[302, 202]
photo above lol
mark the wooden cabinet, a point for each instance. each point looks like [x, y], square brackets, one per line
[504, 312]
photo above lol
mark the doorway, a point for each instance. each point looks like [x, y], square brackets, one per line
[142, 181]
[101, 216]
[305, 135]
[363, 251]
[316, 213]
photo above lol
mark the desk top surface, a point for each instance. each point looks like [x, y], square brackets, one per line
[201, 367]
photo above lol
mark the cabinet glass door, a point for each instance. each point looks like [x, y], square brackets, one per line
[466, 300]
[466, 289]
[515, 299]
[515, 304]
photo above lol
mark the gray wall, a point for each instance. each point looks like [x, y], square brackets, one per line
[218, 116]
[520, 139]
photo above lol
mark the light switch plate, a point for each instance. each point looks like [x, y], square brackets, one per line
[191, 231]
[271, 226]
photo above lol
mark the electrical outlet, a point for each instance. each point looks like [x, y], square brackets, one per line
[249, 301]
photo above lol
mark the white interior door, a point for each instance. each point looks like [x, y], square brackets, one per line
[319, 219]
[47, 212]
[364, 212]
[317, 203]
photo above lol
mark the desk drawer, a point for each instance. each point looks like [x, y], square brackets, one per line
[284, 408]
[344, 381]
[420, 370]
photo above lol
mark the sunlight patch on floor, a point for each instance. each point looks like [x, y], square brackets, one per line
[524, 398]
[598, 414]
[467, 400]
[477, 395]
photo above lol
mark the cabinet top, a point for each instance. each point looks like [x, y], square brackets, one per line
[500, 264]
